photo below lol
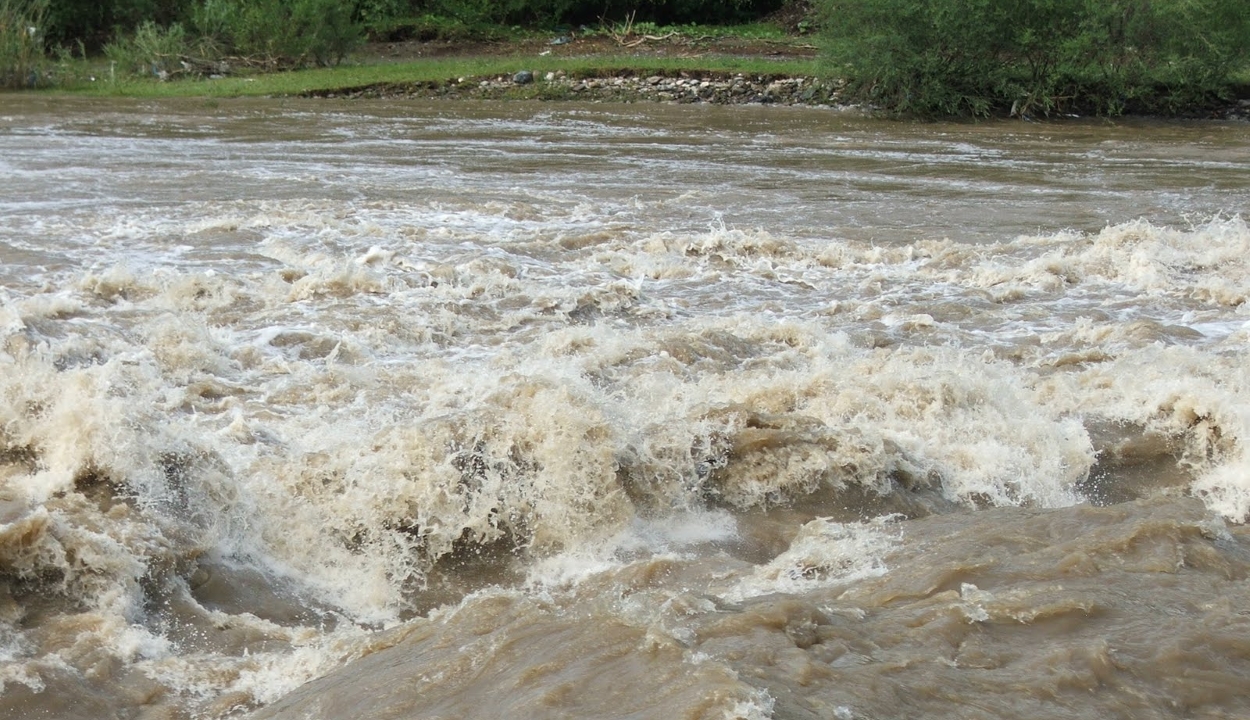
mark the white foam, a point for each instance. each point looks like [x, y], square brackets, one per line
[758, 707]
[823, 554]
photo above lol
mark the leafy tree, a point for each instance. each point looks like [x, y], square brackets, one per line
[977, 57]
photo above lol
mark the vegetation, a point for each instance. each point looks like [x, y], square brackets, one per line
[21, 41]
[164, 38]
[270, 34]
[980, 57]
[908, 57]
[320, 32]
[94, 23]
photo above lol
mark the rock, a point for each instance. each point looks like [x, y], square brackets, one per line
[710, 88]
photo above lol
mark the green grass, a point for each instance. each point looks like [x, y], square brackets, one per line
[433, 70]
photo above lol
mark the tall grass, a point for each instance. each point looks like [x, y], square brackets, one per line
[285, 32]
[21, 42]
[220, 34]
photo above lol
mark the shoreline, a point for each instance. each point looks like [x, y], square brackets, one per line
[676, 87]
[671, 86]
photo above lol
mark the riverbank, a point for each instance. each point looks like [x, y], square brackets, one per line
[665, 85]
[615, 85]
[682, 68]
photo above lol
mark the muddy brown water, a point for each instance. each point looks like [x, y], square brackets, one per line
[326, 409]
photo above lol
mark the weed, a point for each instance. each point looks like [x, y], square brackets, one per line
[21, 42]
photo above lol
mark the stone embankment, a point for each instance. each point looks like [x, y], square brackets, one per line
[679, 87]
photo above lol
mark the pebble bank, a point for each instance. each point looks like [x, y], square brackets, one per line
[625, 86]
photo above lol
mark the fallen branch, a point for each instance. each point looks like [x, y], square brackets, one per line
[645, 38]
[622, 36]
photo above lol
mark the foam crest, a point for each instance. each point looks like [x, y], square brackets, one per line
[1199, 400]
[823, 553]
[1207, 263]
[651, 538]
[930, 414]
[385, 502]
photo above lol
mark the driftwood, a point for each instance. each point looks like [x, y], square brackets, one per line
[169, 66]
[623, 36]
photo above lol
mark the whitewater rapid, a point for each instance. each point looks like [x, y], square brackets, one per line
[601, 412]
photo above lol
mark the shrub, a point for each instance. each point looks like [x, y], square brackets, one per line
[977, 57]
[21, 41]
[150, 50]
[382, 12]
[548, 12]
[94, 22]
[280, 32]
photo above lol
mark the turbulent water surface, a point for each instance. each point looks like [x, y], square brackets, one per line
[319, 410]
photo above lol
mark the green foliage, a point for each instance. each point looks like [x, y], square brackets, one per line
[150, 50]
[435, 27]
[93, 22]
[546, 13]
[500, 12]
[671, 12]
[977, 57]
[382, 12]
[330, 28]
[22, 25]
[281, 32]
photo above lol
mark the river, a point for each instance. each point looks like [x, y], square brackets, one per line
[323, 409]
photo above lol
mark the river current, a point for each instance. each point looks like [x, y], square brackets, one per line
[321, 409]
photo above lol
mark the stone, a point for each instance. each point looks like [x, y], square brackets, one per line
[524, 77]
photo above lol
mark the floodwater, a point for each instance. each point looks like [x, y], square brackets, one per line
[328, 409]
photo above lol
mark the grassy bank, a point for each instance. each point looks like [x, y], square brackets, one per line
[434, 70]
[911, 77]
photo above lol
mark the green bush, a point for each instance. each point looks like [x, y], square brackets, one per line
[280, 32]
[499, 12]
[980, 57]
[95, 22]
[150, 50]
[22, 24]
[381, 12]
[677, 12]
[550, 12]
